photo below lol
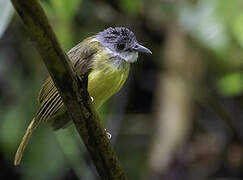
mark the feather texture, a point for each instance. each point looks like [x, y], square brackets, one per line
[105, 78]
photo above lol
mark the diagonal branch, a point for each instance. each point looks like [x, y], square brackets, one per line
[72, 90]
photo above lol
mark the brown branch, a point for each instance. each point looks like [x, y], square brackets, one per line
[73, 93]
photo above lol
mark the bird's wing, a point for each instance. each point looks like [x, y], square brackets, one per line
[49, 99]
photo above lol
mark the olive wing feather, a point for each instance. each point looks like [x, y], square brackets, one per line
[50, 101]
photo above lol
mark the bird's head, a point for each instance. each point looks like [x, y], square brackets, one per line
[121, 42]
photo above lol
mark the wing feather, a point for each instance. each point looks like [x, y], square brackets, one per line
[49, 99]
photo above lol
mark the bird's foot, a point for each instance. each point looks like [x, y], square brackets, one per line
[108, 134]
[92, 99]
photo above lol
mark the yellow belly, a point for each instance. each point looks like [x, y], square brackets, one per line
[103, 83]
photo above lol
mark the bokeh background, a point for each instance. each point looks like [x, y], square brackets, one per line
[179, 116]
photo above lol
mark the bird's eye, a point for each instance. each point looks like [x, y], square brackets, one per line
[120, 46]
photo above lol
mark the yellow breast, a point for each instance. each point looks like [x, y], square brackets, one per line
[105, 79]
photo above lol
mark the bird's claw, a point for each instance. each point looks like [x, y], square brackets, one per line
[108, 134]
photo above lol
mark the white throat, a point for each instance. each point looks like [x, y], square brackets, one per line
[129, 57]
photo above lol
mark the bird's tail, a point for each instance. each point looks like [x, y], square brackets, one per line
[24, 142]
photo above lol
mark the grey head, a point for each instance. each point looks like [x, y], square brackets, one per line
[122, 43]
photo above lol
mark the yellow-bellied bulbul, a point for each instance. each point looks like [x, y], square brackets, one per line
[106, 56]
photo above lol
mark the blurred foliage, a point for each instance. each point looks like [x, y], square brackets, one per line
[131, 7]
[231, 84]
[215, 27]
[62, 15]
[6, 14]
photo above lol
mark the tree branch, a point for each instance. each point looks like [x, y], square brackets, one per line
[73, 93]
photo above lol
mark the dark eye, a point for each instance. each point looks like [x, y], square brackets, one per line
[120, 46]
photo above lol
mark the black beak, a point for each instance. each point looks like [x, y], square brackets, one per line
[140, 48]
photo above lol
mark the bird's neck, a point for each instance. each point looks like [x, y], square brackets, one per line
[123, 57]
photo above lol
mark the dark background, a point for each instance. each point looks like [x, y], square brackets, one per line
[179, 115]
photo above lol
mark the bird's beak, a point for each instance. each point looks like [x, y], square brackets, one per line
[140, 48]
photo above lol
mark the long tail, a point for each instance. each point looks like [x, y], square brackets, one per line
[24, 142]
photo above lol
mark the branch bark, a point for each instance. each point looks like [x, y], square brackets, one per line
[72, 90]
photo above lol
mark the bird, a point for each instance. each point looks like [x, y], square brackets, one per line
[106, 58]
